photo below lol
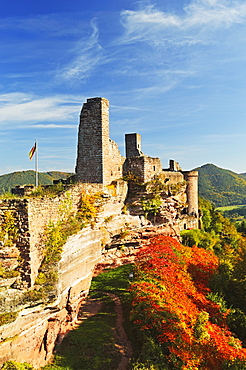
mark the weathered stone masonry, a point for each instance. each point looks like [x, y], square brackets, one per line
[98, 158]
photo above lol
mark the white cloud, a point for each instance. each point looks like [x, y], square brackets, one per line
[89, 55]
[150, 24]
[156, 89]
[14, 98]
[51, 125]
[125, 108]
[223, 137]
[21, 109]
[214, 13]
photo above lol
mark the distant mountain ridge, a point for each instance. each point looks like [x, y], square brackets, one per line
[10, 180]
[220, 186]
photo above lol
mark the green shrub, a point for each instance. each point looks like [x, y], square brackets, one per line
[151, 206]
[34, 295]
[7, 274]
[49, 191]
[132, 177]
[12, 365]
[151, 355]
[8, 229]
[199, 238]
[8, 195]
[8, 317]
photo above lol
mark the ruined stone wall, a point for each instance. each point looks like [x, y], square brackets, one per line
[32, 336]
[9, 256]
[31, 216]
[188, 222]
[40, 213]
[152, 167]
[174, 166]
[134, 165]
[173, 177]
[144, 167]
[113, 163]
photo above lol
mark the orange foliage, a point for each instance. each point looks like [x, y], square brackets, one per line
[170, 300]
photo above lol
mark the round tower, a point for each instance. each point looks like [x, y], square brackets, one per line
[191, 177]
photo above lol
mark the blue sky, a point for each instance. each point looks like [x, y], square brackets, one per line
[174, 71]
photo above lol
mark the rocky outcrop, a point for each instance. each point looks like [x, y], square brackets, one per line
[114, 237]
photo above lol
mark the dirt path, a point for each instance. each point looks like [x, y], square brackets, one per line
[92, 307]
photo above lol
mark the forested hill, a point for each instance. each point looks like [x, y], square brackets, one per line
[220, 186]
[13, 179]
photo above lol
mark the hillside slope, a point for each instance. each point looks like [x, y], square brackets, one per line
[222, 187]
[13, 179]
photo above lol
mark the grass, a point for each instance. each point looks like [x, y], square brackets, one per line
[229, 208]
[236, 213]
[117, 281]
[92, 345]
[114, 281]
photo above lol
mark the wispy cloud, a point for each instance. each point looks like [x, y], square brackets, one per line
[50, 126]
[156, 89]
[151, 24]
[223, 137]
[19, 109]
[66, 44]
[88, 55]
[126, 108]
[216, 13]
[160, 49]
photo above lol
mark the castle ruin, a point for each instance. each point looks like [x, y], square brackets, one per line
[99, 159]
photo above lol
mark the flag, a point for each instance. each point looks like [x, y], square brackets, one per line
[32, 151]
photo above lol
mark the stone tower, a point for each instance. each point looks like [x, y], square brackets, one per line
[191, 177]
[98, 157]
[133, 145]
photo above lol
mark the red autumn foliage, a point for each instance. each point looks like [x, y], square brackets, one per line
[170, 301]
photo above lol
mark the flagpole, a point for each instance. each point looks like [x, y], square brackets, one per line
[36, 162]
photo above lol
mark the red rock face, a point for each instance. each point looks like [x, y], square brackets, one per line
[33, 336]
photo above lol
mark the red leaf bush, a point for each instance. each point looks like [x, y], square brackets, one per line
[170, 301]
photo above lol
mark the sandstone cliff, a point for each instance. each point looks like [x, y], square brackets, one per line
[32, 323]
